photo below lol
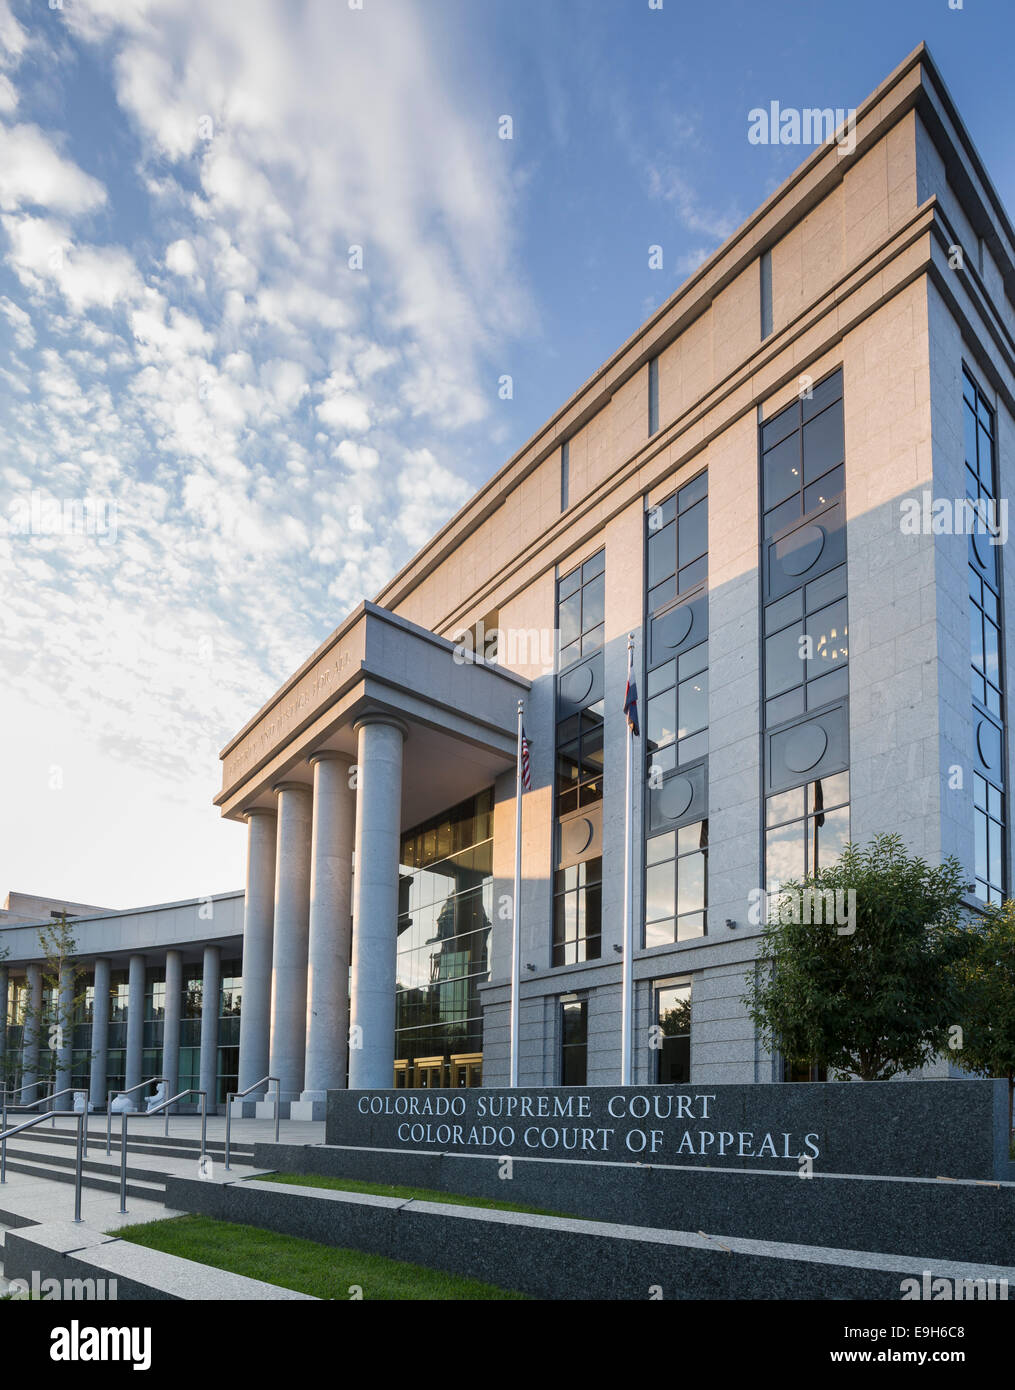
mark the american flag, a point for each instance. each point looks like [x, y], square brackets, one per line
[526, 779]
[631, 704]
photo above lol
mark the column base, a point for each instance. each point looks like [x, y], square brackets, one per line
[245, 1109]
[265, 1110]
[312, 1105]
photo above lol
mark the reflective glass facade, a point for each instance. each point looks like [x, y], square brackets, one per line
[445, 901]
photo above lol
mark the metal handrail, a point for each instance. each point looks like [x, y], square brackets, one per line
[238, 1095]
[191, 1091]
[79, 1161]
[152, 1080]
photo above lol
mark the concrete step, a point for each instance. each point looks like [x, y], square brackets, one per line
[96, 1161]
[154, 1189]
[173, 1147]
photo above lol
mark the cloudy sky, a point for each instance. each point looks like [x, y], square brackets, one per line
[262, 266]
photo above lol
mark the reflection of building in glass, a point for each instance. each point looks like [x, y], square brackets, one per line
[445, 900]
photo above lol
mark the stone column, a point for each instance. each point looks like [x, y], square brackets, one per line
[292, 930]
[31, 1035]
[258, 924]
[100, 1035]
[211, 977]
[171, 1022]
[65, 1019]
[334, 831]
[375, 902]
[4, 987]
[135, 1028]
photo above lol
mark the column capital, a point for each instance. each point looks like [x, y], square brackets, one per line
[259, 811]
[382, 718]
[330, 755]
[291, 785]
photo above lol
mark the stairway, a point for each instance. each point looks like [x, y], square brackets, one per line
[151, 1159]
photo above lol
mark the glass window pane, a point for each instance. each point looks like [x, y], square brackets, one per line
[784, 707]
[691, 883]
[593, 602]
[784, 611]
[693, 661]
[661, 594]
[661, 514]
[661, 678]
[822, 492]
[592, 640]
[783, 515]
[783, 665]
[829, 791]
[829, 634]
[994, 802]
[661, 721]
[660, 934]
[662, 554]
[690, 926]
[569, 620]
[829, 390]
[823, 442]
[994, 851]
[829, 834]
[690, 748]
[659, 891]
[593, 566]
[692, 705]
[834, 686]
[659, 847]
[692, 574]
[692, 837]
[692, 539]
[781, 471]
[570, 583]
[780, 425]
[830, 586]
[784, 854]
[986, 457]
[692, 492]
[785, 806]
[980, 838]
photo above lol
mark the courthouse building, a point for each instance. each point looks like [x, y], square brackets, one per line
[767, 486]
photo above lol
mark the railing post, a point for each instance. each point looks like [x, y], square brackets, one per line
[204, 1122]
[109, 1122]
[278, 1104]
[229, 1116]
[3, 1157]
[79, 1169]
[123, 1164]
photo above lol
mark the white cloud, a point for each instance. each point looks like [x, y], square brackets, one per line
[33, 173]
[180, 258]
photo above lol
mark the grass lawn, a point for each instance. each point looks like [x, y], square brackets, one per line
[303, 1265]
[418, 1194]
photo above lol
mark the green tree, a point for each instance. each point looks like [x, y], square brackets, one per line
[986, 980]
[875, 995]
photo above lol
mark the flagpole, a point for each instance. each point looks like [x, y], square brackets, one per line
[516, 944]
[627, 973]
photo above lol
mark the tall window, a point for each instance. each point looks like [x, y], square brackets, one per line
[806, 829]
[807, 647]
[581, 601]
[578, 912]
[802, 456]
[673, 1021]
[577, 881]
[985, 644]
[653, 395]
[574, 1042]
[676, 716]
[230, 997]
[678, 543]
[445, 912]
[565, 475]
[766, 294]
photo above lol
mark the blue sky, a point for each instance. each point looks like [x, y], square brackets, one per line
[184, 340]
